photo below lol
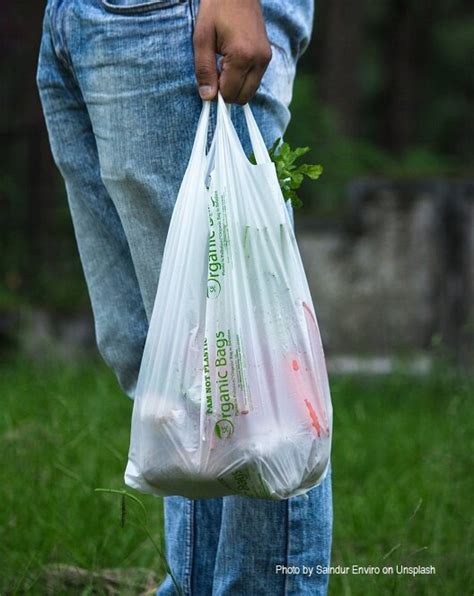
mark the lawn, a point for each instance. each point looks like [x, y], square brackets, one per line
[402, 474]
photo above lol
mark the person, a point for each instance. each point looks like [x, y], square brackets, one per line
[117, 81]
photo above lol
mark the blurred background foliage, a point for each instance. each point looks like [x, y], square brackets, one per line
[384, 90]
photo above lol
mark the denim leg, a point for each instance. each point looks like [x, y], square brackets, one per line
[121, 113]
[232, 546]
[257, 536]
[117, 304]
[192, 536]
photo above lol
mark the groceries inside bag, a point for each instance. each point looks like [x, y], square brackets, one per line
[232, 396]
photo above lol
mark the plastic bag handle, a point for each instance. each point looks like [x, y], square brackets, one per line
[258, 144]
[256, 139]
[200, 140]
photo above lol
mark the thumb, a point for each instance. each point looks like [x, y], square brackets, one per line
[205, 61]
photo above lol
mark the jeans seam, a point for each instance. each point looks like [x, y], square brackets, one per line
[188, 566]
[55, 22]
[193, 16]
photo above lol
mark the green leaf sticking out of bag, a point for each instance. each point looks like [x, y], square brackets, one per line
[291, 175]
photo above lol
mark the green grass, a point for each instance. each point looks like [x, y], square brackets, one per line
[403, 454]
[402, 476]
[64, 432]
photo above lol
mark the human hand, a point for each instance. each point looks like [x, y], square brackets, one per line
[236, 30]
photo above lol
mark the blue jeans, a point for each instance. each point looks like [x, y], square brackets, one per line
[117, 85]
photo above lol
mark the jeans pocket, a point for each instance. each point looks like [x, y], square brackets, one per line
[137, 7]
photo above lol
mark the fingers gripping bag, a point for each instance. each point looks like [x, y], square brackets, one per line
[232, 394]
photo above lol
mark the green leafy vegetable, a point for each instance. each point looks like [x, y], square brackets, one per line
[291, 175]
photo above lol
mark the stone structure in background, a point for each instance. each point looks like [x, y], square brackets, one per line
[397, 276]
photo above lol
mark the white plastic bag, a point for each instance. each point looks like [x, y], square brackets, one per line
[232, 395]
